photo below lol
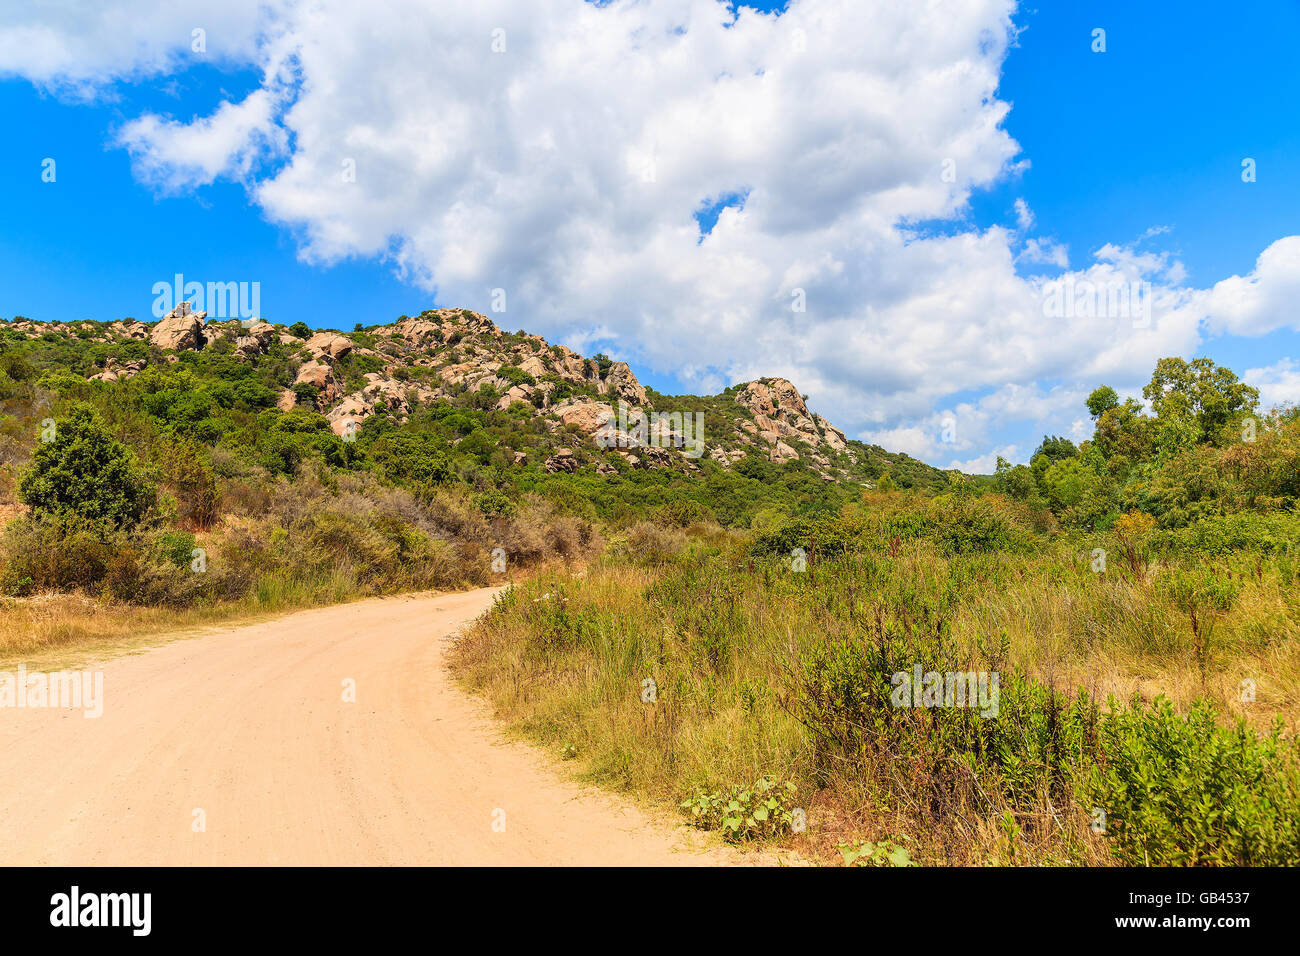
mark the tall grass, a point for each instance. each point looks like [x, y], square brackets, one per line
[762, 670]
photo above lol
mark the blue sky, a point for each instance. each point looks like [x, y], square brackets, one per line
[1144, 139]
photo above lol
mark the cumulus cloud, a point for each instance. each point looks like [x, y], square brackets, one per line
[1263, 300]
[560, 150]
[1278, 384]
[76, 48]
[177, 156]
[987, 463]
[1045, 251]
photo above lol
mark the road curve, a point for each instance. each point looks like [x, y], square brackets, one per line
[238, 747]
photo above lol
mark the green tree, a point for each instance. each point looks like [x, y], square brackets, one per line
[1055, 448]
[84, 474]
[1066, 481]
[1198, 398]
[1015, 481]
[1102, 400]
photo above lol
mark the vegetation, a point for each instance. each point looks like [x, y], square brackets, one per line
[1134, 594]
[764, 671]
[736, 641]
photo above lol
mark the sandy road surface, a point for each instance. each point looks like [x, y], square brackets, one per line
[249, 725]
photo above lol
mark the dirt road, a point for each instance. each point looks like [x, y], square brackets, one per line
[239, 747]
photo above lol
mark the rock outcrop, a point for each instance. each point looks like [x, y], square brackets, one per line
[562, 461]
[320, 376]
[180, 330]
[257, 338]
[619, 382]
[781, 418]
[330, 343]
[115, 371]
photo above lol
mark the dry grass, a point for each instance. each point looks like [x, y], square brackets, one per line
[52, 630]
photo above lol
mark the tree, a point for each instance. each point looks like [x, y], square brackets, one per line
[1201, 394]
[1124, 436]
[1055, 448]
[85, 475]
[300, 329]
[1015, 481]
[187, 472]
[1102, 400]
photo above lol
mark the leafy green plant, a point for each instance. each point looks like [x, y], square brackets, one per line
[879, 853]
[762, 811]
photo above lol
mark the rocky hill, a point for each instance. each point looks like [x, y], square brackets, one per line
[594, 410]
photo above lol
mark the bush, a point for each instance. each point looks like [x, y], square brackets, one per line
[156, 569]
[653, 543]
[1183, 791]
[956, 524]
[1276, 532]
[684, 513]
[187, 472]
[1035, 746]
[515, 375]
[494, 504]
[85, 476]
[53, 556]
[978, 526]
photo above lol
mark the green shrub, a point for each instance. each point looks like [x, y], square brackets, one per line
[187, 472]
[978, 526]
[85, 476]
[684, 513]
[1184, 791]
[494, 504]
[878, 853]
[515, 375]
[1269, 533]
[955, 524]
[1033, 742]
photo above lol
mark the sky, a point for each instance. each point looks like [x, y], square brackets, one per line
[945, 222]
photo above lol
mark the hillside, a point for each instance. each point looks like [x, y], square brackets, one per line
[554, 408]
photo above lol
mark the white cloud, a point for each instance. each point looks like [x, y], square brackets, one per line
[567, 169]
[967, 428]
[1278, 384]
[76, 48]
[1024, 216]
[1045, 251]
[985, 464]
[178, 156]
[1262, 301]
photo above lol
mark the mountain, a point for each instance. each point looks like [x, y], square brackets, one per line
[592, 412]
